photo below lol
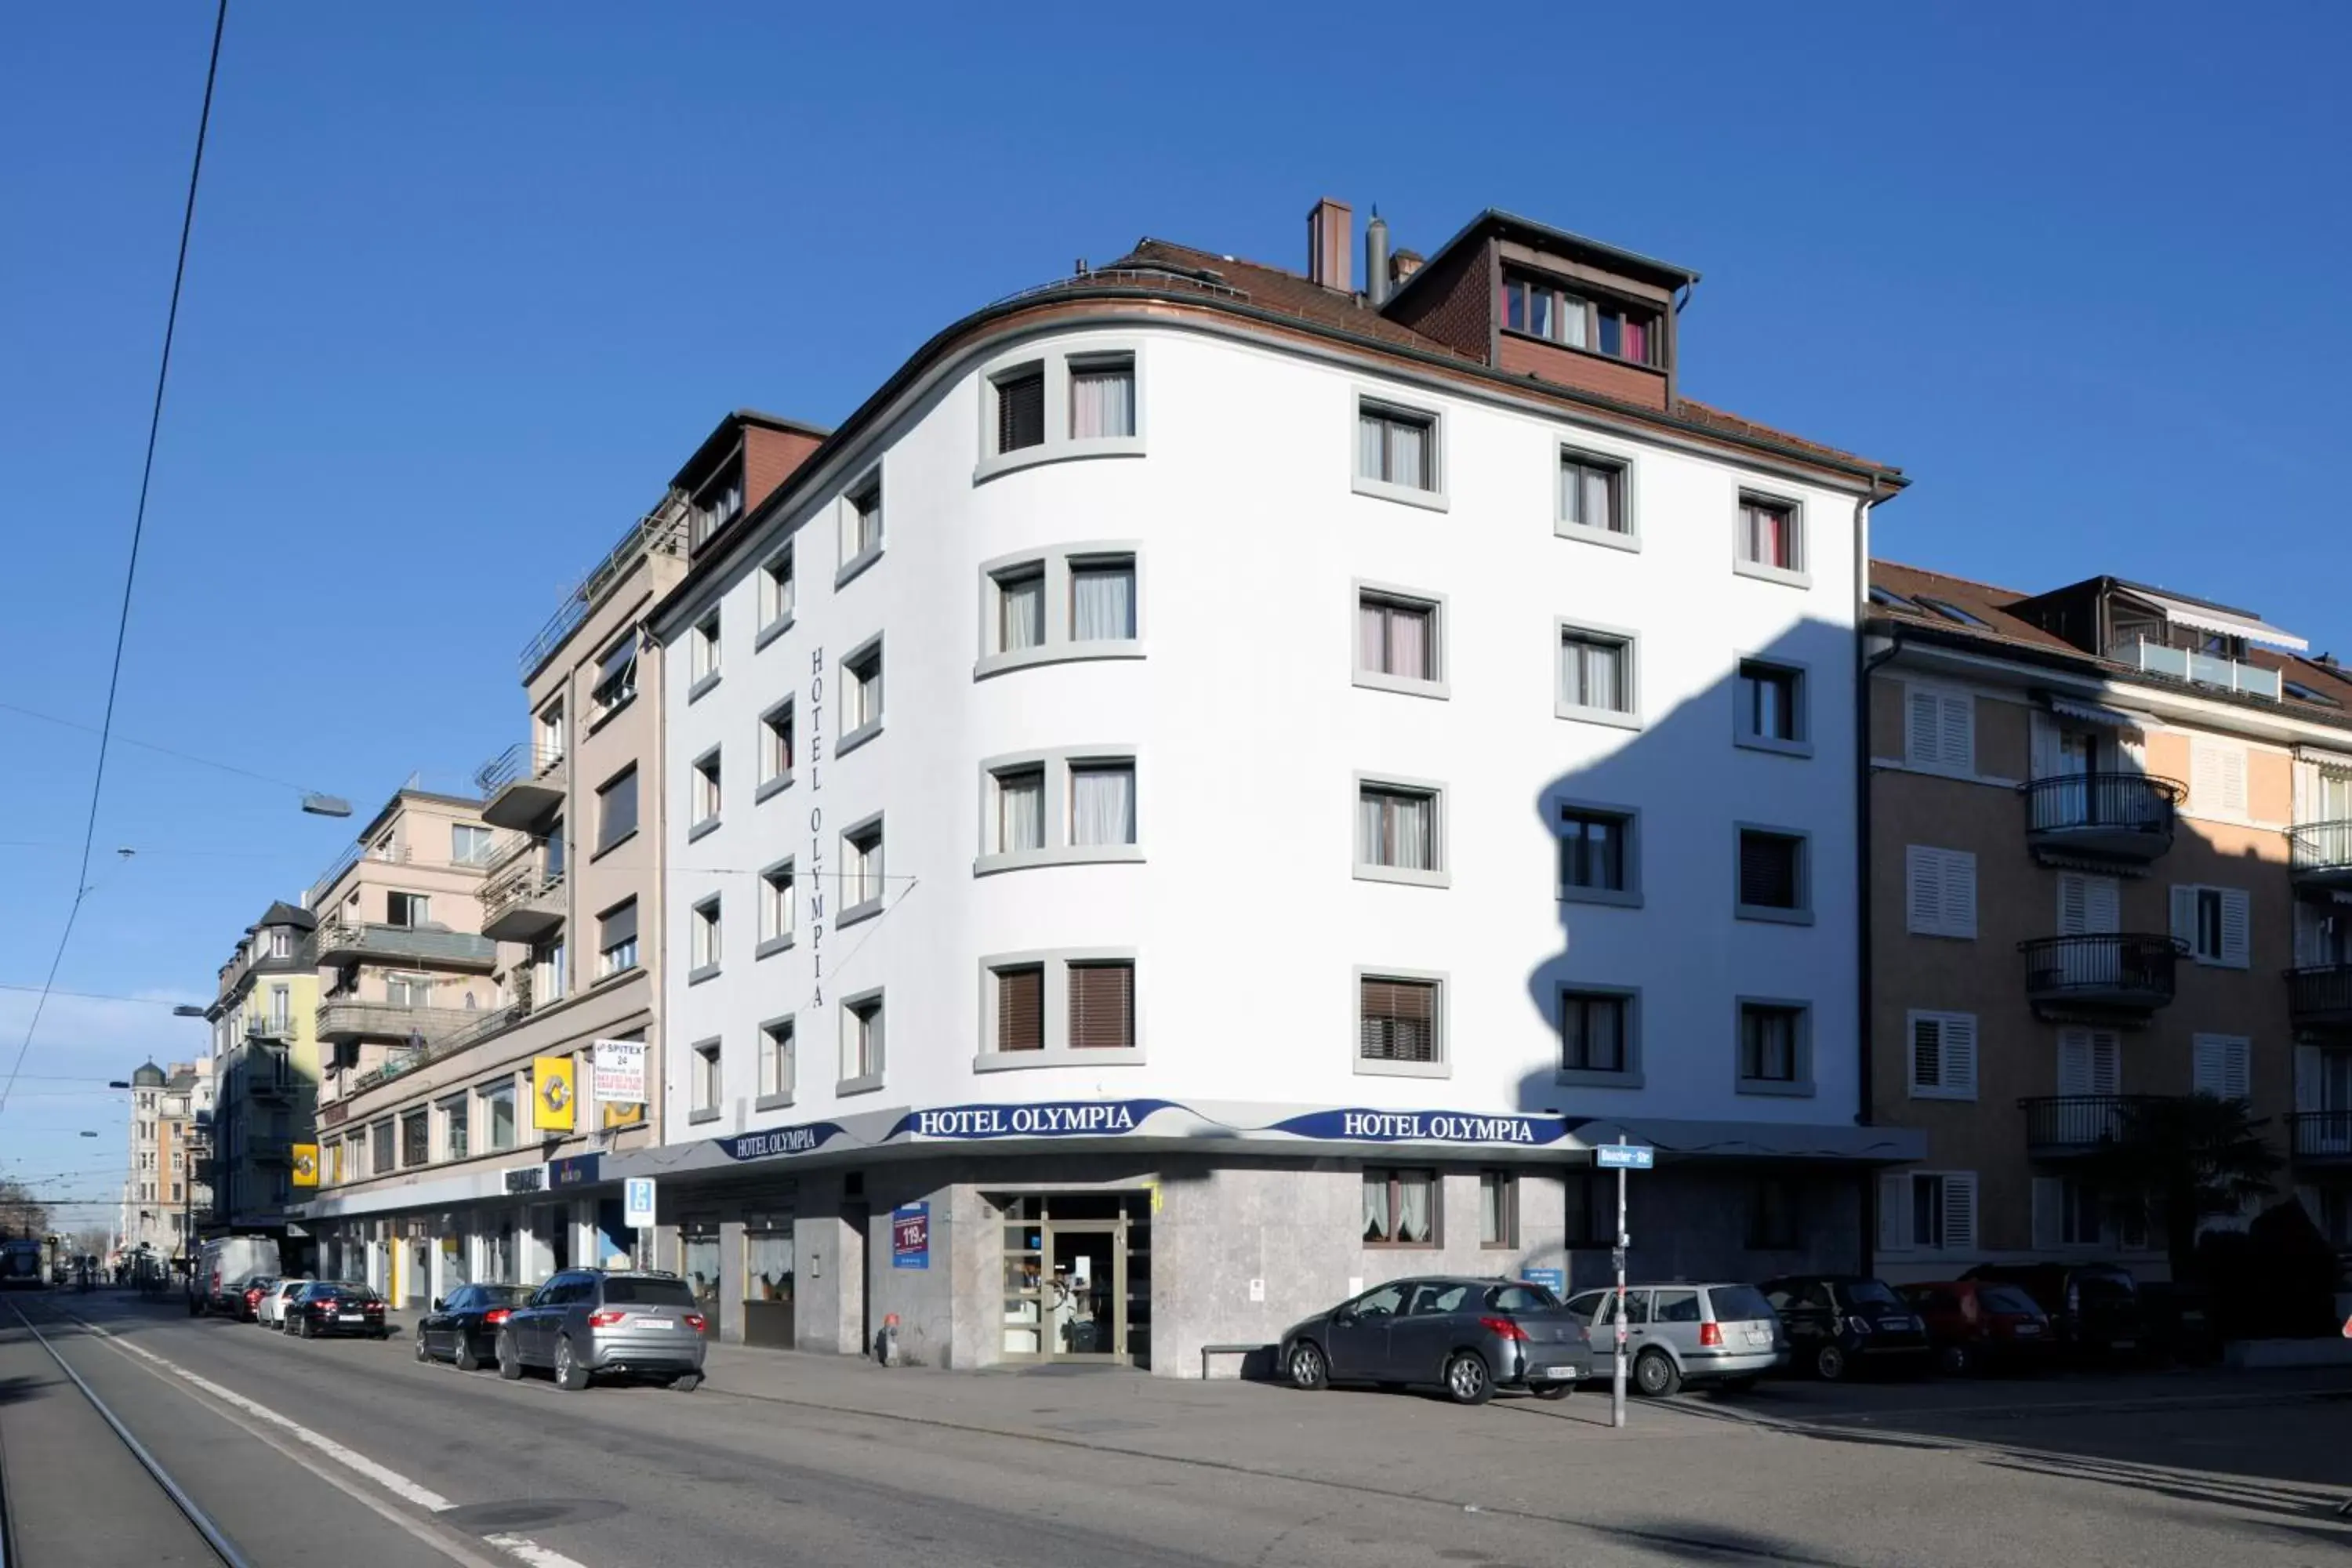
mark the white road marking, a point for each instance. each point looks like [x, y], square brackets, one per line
[518, 1546]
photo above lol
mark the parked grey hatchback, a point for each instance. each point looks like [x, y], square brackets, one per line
[585, 1322]
[1727, 1335]
[1465, 1336]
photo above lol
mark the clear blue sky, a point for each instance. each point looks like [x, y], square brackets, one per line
[469, 282]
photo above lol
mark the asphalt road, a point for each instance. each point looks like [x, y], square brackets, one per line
[351, 1451]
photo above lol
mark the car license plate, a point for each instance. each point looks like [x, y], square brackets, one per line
[1559, 1373]
[1898, 1325]
[653, 1324]
[348, 1317]
[2029, 1331]
[2127, 1344]
[1760, 1336]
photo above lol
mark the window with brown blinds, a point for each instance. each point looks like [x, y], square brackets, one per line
[1397, 1021]
[1020, 1009]
[1102, 1006]
[1771, 870]
[1021, 411]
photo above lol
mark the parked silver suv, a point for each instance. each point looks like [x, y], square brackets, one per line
[585, 1324]
[1727, 1335]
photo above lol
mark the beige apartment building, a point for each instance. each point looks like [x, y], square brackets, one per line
[434, 1172]
[163, 1195]
[2110, 834]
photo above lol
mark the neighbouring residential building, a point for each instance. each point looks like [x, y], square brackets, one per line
[439, 1167]
[1217, 786]
[265, 1078]
[162, 1196]
[2111, 852]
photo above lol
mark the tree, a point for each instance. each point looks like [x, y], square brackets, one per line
[2182, 1160]
[20, 1212]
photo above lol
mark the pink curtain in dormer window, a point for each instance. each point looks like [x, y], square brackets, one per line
[1637, 341]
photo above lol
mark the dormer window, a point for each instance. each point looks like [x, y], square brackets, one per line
[716, 505]
[1616, 328]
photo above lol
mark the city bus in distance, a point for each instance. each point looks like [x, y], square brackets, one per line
[21, 1265]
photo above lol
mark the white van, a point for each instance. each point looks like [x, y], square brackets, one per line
[223, 1267]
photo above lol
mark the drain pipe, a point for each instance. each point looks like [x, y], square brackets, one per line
[1867, 665]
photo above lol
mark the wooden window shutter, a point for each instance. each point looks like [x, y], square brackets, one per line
[2107, 1061]
[1020, 1009]
[2237, 912]
[1959, 917]
[1926, 1052]
[1959, 733]
[2209, 1064]
[2184, 913]
[2073, 904]
[1921, 741]
[1960, 1041]
[1924, 898]
[2075, 1061]
[1102, 1006]
[1960, 1211]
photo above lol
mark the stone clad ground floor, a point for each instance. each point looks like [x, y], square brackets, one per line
[1142, 1257]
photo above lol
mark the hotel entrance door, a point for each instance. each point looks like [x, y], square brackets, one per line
[1076, 1279]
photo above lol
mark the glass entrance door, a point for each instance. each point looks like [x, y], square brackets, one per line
[1085, 1293]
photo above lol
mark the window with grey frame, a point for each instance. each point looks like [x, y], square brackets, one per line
[1396, 446]
[861, 532]
[706, 785]
[778, 593]
[1396, 635]
[861, 1037]
[1772, 871]
[862, 879]
[776, 1059]
[1021, 408]
[1102, 802]
[1020, 1007]
[1771, 1041]
[1498, 1208]
[1400, 1207]
[1592, 493]
[776, 904]
[702, 648]
[1770, 535]
[861, 681]
[616, 808]
[1020, 607]
[617, 675]
[1596, 671]
[1594, 1031]
[1102, 396]
[1397, 1020]
[1771, 702]
[707, 1081]
[1397, 828]
[776, 744]
[704, 933]
[1102, 997]
[1594, 850]
[617, 940]
[1020, 815]
[1102, 598]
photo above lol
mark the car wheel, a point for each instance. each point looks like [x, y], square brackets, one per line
[1551, 1390]
[570, 1375]
[1655, 1374]
[421, 1352]
[467, 1360]
[1308, 1370]
[509, 1359]
[1955, 1360]
[1468, 1381]
[307, 1331]
[1830, 1364]
[687, 1382]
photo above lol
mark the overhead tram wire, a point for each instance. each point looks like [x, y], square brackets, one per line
[131, 568]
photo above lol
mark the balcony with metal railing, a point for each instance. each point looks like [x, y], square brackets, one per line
[522, 898]
[2319, 856]
[353, 941]
[2124, 819]
[344, 1018]
[523, 784]
[2320, 1137]
[662, 532]
[2064, 1126]
[2119, 976]
[2200, 669]
[2319, 996]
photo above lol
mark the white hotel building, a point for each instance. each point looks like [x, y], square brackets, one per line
[1213, 788]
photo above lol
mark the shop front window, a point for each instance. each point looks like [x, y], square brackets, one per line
[699, 1244]
[768, 1283]
[457, 1271]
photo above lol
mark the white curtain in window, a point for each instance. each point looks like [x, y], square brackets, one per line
[1594, 500]
[1102, 602]
[1102, 805]
[1406, 444]
[1369, 427]
[1102, 403]
[1412, 1208]
[1395, 830]
[1592, 673]
[1371, 636]
[1024, 613]
[1409, 643]
[1021, 803]
[1376, 1208]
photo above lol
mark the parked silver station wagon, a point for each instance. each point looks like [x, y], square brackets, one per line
[585, 1323]
[1675, 1334]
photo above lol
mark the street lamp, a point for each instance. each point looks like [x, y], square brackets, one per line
[326, 804]
[187, 1010]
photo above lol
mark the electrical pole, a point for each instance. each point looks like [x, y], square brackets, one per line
[1617, 1319]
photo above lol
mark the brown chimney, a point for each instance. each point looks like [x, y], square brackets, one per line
[1403, 264]
[1330, 232]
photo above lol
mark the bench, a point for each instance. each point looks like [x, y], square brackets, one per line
[1208, 1351]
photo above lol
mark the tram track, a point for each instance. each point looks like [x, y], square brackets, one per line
[216, 1545]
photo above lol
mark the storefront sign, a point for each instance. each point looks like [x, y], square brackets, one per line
[910, 1235]
[1072, 1119]
[805, 1139]
[578, 1170]
[528, 1179]
[617, 1072]
[1552, 1280]
[1423, 1127]
[551, 1094]
[306, 1164]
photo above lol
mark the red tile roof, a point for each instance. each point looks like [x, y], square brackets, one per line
[1291, 293]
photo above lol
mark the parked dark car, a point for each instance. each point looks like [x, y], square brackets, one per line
[1468, 1337]
[247, 1305]
[1842, 1323]
[585, 1324]
[464, 1327]
[1978, 1325]
[337, 1309]
[2094, 1307]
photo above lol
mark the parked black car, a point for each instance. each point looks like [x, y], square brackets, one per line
[1468, 1337]
[464, 1327]
[328, 1307]
[1839, 1323]
[2094, 1307]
